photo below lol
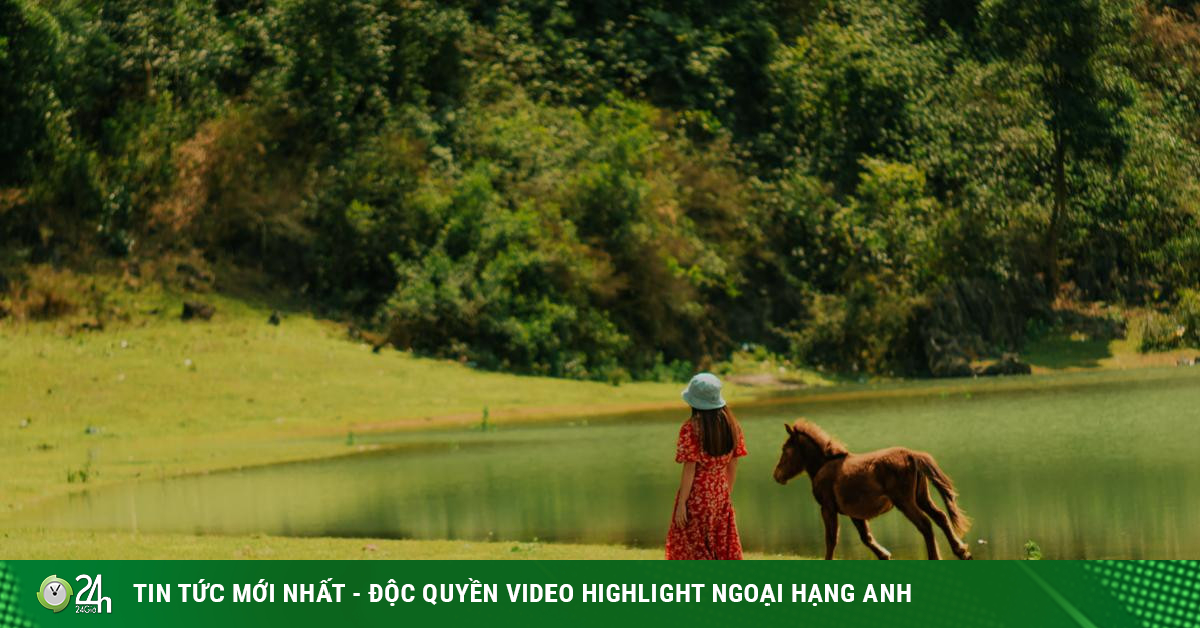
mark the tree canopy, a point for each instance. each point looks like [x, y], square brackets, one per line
[614, 189]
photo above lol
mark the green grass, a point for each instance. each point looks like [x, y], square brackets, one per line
[25, 544]
[156, 397]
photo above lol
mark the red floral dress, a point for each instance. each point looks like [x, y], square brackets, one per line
[710, 533]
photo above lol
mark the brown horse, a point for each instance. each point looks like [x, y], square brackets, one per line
[864, 486]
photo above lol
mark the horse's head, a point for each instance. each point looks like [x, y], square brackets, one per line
[791, 461]
[807, 447]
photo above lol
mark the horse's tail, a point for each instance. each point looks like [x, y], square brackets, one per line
[928, 468]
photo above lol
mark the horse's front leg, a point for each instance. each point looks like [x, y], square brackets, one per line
[829, 516]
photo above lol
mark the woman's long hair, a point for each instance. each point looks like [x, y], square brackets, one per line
[718, 430]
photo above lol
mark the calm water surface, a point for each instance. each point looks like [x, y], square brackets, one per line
[1088, 465]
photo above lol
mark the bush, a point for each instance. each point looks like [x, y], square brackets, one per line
[1187, 315]
[869, 264]
[377, 205]
[1180, 327]
[1160, 332]
[587, 247]
[41, 295]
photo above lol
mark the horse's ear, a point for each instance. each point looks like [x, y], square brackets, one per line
[789, 428]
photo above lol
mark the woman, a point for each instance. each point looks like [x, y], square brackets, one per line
[710, 442]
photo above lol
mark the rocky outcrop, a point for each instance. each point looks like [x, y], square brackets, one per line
[946, 356]
[972, 318]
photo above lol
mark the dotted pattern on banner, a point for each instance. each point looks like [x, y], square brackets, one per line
[1159, 593]
[10, 617]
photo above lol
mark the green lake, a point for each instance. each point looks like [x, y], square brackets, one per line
[1089, 465]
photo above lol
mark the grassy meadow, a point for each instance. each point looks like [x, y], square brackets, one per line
[171, 397]
[151, 396]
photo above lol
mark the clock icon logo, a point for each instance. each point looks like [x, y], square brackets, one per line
[55, 593]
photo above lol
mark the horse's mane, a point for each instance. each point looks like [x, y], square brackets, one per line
[829, 445]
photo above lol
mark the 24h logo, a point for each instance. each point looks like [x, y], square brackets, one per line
[55, 594]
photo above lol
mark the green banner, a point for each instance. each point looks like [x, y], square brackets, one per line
[600, 593]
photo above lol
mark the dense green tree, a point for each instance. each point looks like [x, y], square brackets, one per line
[30, 45]
[1070, 50]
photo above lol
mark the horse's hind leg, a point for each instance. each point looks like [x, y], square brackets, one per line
[864, 533]
[913, 512]
[939, 517]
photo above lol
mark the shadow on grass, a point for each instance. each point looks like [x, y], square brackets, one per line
[257, 290]
[1060, 351]
[1080, 336]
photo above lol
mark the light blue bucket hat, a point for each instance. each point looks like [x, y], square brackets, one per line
[704, 392]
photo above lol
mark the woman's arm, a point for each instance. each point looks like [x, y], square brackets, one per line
[685, 491]
[731, 472]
